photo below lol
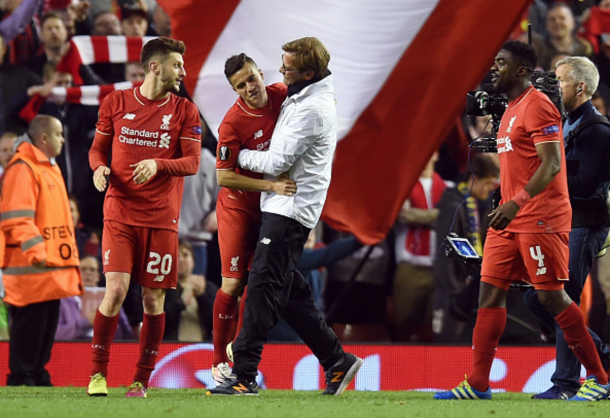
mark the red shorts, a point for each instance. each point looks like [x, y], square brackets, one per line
[150, 255]
[540, 259]
[237, 237]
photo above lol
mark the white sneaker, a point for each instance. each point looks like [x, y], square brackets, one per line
[222, 373]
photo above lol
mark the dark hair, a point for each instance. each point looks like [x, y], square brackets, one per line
[51, 15]
[522, 53]
[482, 166]
[237, 62]
[187, 245]
[161, 47]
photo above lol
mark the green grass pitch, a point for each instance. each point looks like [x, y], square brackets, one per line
[73, 402]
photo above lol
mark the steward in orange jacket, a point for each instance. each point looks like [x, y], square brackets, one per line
[40, 260]
[36, 221]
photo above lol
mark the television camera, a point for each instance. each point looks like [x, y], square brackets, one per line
[487, 102]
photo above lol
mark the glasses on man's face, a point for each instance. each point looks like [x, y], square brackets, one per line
[284, 69]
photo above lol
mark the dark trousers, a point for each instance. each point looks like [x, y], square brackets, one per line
[584, 245]
[32, 332]
[276, 289]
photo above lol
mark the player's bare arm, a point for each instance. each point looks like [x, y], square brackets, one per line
[233, 180]
[550, 164]
[144, 171]
[99, 178]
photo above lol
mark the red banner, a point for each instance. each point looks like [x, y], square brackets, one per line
[284, 366]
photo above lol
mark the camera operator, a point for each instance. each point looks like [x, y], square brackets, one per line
[587, 153]
[456, 282]
[528, 235]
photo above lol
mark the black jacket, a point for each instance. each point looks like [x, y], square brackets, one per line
[587, 159]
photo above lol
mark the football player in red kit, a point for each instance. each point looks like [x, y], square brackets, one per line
[528, 235]
[248, 124]
[155, 138]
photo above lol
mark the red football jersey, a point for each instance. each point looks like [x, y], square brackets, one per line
[135, 128]
[245, 128]
[533, 119]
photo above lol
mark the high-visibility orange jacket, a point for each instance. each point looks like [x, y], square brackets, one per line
[37, 225]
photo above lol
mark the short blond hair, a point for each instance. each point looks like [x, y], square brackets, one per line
[310, 54]
[583, 70]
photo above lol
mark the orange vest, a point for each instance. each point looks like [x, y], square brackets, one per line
[37, 225]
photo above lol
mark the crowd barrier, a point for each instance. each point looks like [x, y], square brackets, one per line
[292, 366]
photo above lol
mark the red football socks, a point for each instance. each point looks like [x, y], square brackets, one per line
[572, 323]
[225, 310]
[104, 328]
[151, 335]
[487, 332]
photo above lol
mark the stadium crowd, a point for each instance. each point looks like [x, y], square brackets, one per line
[401, 290]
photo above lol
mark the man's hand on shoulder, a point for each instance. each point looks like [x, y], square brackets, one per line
[100, 178]
[144, 171]
[503, 215]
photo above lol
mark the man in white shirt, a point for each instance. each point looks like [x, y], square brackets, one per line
[302, 145]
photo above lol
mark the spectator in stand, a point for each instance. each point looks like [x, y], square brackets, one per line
[188, 308]
[134, 19]
[596, 29]
[161, 23]
[76, 320]
[99, 6]
[358, 309]
[15, 22]
[54, 37]
[73, 14]
[415, 250]
[600, 99]
[134, 72]
[14, 79]
[106, 24]
[459, 212]
[88, 244]
[7, 142]
[22, 39]
[560, 36]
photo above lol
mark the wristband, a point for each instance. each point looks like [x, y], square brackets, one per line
[522, 198]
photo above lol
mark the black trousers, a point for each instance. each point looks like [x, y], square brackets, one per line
[32, 332]
[276, 289]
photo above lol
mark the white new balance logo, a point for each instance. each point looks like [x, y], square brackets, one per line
[159, 278]
[266, 241]
[129, 116]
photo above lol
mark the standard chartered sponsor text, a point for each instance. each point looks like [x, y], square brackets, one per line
[140, 134]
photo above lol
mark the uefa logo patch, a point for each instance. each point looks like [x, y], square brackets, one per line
[550, 130]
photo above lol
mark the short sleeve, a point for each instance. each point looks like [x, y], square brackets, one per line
[543, 122]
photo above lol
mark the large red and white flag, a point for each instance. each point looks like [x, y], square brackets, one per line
[401, 71]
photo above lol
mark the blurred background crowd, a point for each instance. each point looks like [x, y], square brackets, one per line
[402, 290]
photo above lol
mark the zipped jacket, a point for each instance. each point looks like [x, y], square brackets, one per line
[36, 222]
